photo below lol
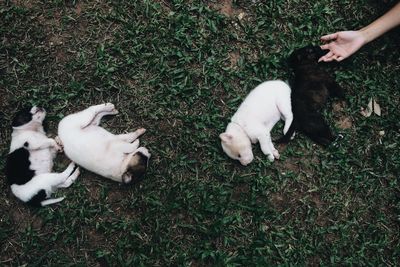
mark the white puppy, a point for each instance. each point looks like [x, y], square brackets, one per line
[117, 157]
[30, 161]
[254, 120]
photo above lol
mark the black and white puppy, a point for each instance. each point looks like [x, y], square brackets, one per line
[29, 163]
[311, 89]
[117, 157]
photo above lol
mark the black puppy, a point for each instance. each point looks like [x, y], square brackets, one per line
[311, 88]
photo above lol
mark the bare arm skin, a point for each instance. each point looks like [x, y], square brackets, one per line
[343, 44]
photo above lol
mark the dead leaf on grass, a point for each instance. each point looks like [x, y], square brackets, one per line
[372, 107]
[366, 112]
[377, 108]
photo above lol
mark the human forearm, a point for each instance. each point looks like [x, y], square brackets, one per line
[383, 24]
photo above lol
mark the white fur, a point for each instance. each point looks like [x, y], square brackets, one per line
[42, 151]
[96, 149]
[49, 182]
[253, 121]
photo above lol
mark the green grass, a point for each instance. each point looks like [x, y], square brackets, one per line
[180, 69]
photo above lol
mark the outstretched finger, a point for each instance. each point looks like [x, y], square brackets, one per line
[327, 56]
[325, 47]
[329, 37]
[328, 59]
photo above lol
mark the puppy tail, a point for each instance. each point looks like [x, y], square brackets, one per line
[51, 201]
[285, 108]
[288, 136]
[288, 123]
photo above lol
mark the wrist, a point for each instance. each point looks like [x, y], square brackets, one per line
[366, 35]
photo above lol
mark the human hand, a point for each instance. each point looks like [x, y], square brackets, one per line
[341, 45]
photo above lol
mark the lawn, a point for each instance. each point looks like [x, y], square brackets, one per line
[180, 68]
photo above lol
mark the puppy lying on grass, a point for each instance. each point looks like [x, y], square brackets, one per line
[311, 89]
[30, 161]
[117, 157]
[254, 120]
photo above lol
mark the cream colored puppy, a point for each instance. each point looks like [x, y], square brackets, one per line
[253, 121]
[117, 157]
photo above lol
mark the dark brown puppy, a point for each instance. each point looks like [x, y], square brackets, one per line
[311, 88]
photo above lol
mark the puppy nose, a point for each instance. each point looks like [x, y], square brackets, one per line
[245, 163]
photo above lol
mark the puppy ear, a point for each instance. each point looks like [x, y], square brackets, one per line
[226, 138]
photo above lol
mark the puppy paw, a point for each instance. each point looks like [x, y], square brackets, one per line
[110, 108]
[271, 157]
[57, 146]
[72, 165]
[114, 112]
[71, 178]
[144, 151]
[69, 170]
[276, 154]
[59, 149]
[136, 143]
[75, 174]
[59, 142]
[140, 131]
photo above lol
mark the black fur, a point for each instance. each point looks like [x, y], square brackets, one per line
[17, 167]
[22, 117]
[311, 89]
[37, 199]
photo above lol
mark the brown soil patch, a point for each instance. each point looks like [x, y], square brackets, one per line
[276, 197]
[316, 198]
[94, 192]
[56, 40]
[233, 59]
[344, 122]
[115, 196]
[313, 261]
[170, 127]
[95, 238]
[338, 106]
[239, 191]
[78, 8]
[23, 218]
[288, 166]
[225, 7]
[279, 201]
[92, 184]
[24, 3]
[165, 5]
[61, 56]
